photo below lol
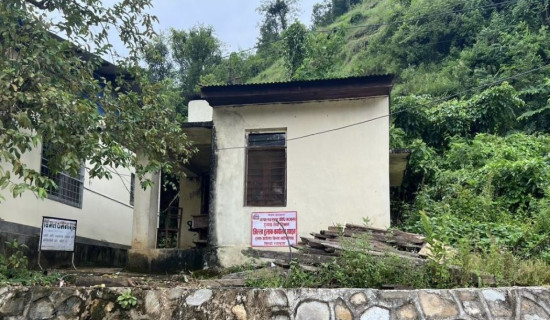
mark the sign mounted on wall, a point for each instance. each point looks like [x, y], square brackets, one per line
[274, 229]
[57, 234]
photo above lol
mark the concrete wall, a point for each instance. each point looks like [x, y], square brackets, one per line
[106, 213]
[280, 304]
[199, 111]
[336, 177]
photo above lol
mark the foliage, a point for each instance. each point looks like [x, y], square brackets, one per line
[276, 16]
[321, 56]
[183, 60]
[14, 262]
[14, 267]
[156, 56]
[294, 47]
[494, 111]
[444, 269]
[321, 14]
[195, 52]
[490, 190]
[127, 300]
[44, 79]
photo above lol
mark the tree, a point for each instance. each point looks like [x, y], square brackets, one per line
[276, 14]
[157, 57]
[339, 7]
[50, 93]
[196, 52]
[295, 47]
[322, 14]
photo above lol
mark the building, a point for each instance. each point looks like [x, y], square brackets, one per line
[103, 210]
[315, 153]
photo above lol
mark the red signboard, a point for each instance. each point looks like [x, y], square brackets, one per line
[268, 232]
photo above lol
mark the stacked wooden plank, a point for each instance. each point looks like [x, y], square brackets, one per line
[374, 241]
[329, 243]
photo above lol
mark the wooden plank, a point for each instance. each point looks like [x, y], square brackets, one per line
[318, 236]
[330, 234]
[308, 250]
[315, 243]
[409, 237]
[355, 227]
[398, 241]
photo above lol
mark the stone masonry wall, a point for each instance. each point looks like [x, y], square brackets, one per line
[279, 304]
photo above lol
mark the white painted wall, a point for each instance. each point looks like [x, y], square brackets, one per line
[100, 218]
[336, 177]
[199, 111]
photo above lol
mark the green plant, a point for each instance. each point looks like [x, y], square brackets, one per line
[13, 263]
[127, 300]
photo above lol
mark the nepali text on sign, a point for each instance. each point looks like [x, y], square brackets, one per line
[57, 234]
[267, 232]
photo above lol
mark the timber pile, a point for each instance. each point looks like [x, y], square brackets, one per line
[327, 244]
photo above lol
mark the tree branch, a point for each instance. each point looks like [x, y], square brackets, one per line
[44, 4]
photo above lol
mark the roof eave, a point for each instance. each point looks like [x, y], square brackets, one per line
[298, 91]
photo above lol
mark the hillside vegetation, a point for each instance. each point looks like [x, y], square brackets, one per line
[471, 102]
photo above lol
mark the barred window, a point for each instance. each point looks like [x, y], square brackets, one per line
[266, 170]
[69, 189]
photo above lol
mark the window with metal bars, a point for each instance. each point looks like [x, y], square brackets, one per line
[266, 170]
[69, 189]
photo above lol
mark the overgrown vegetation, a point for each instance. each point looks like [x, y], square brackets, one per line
[445, 268]
[14, 267]
[471, 101]
[115, 116]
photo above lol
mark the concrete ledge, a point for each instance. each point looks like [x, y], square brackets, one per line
[246, 303]
[165, 260]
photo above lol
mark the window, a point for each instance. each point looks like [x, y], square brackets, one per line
[69, 189]
[266, 169]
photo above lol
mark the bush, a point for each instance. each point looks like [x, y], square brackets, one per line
[445, 268]
[14, 267]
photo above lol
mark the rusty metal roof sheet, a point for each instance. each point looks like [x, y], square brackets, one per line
[297, 91]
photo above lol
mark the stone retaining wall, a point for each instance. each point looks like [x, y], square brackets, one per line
[279, 304]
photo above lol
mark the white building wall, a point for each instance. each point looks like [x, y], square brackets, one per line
[199, 111]
[332, 178]
[106, 213]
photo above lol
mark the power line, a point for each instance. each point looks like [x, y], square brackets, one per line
[444, 99]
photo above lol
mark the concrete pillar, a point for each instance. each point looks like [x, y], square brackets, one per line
[146, 207]
[144, 227]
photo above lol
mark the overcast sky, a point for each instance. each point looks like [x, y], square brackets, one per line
[235, 21]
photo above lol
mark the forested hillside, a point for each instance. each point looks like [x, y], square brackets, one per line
[471, 101]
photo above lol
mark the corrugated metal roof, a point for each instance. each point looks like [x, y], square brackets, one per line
[295, 91]
[309, 81]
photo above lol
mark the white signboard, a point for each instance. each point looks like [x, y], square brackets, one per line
[267, 232]
[57, 234]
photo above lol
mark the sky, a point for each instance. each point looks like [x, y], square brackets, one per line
[235, 21]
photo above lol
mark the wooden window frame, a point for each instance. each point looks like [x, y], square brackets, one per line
[248, 203]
